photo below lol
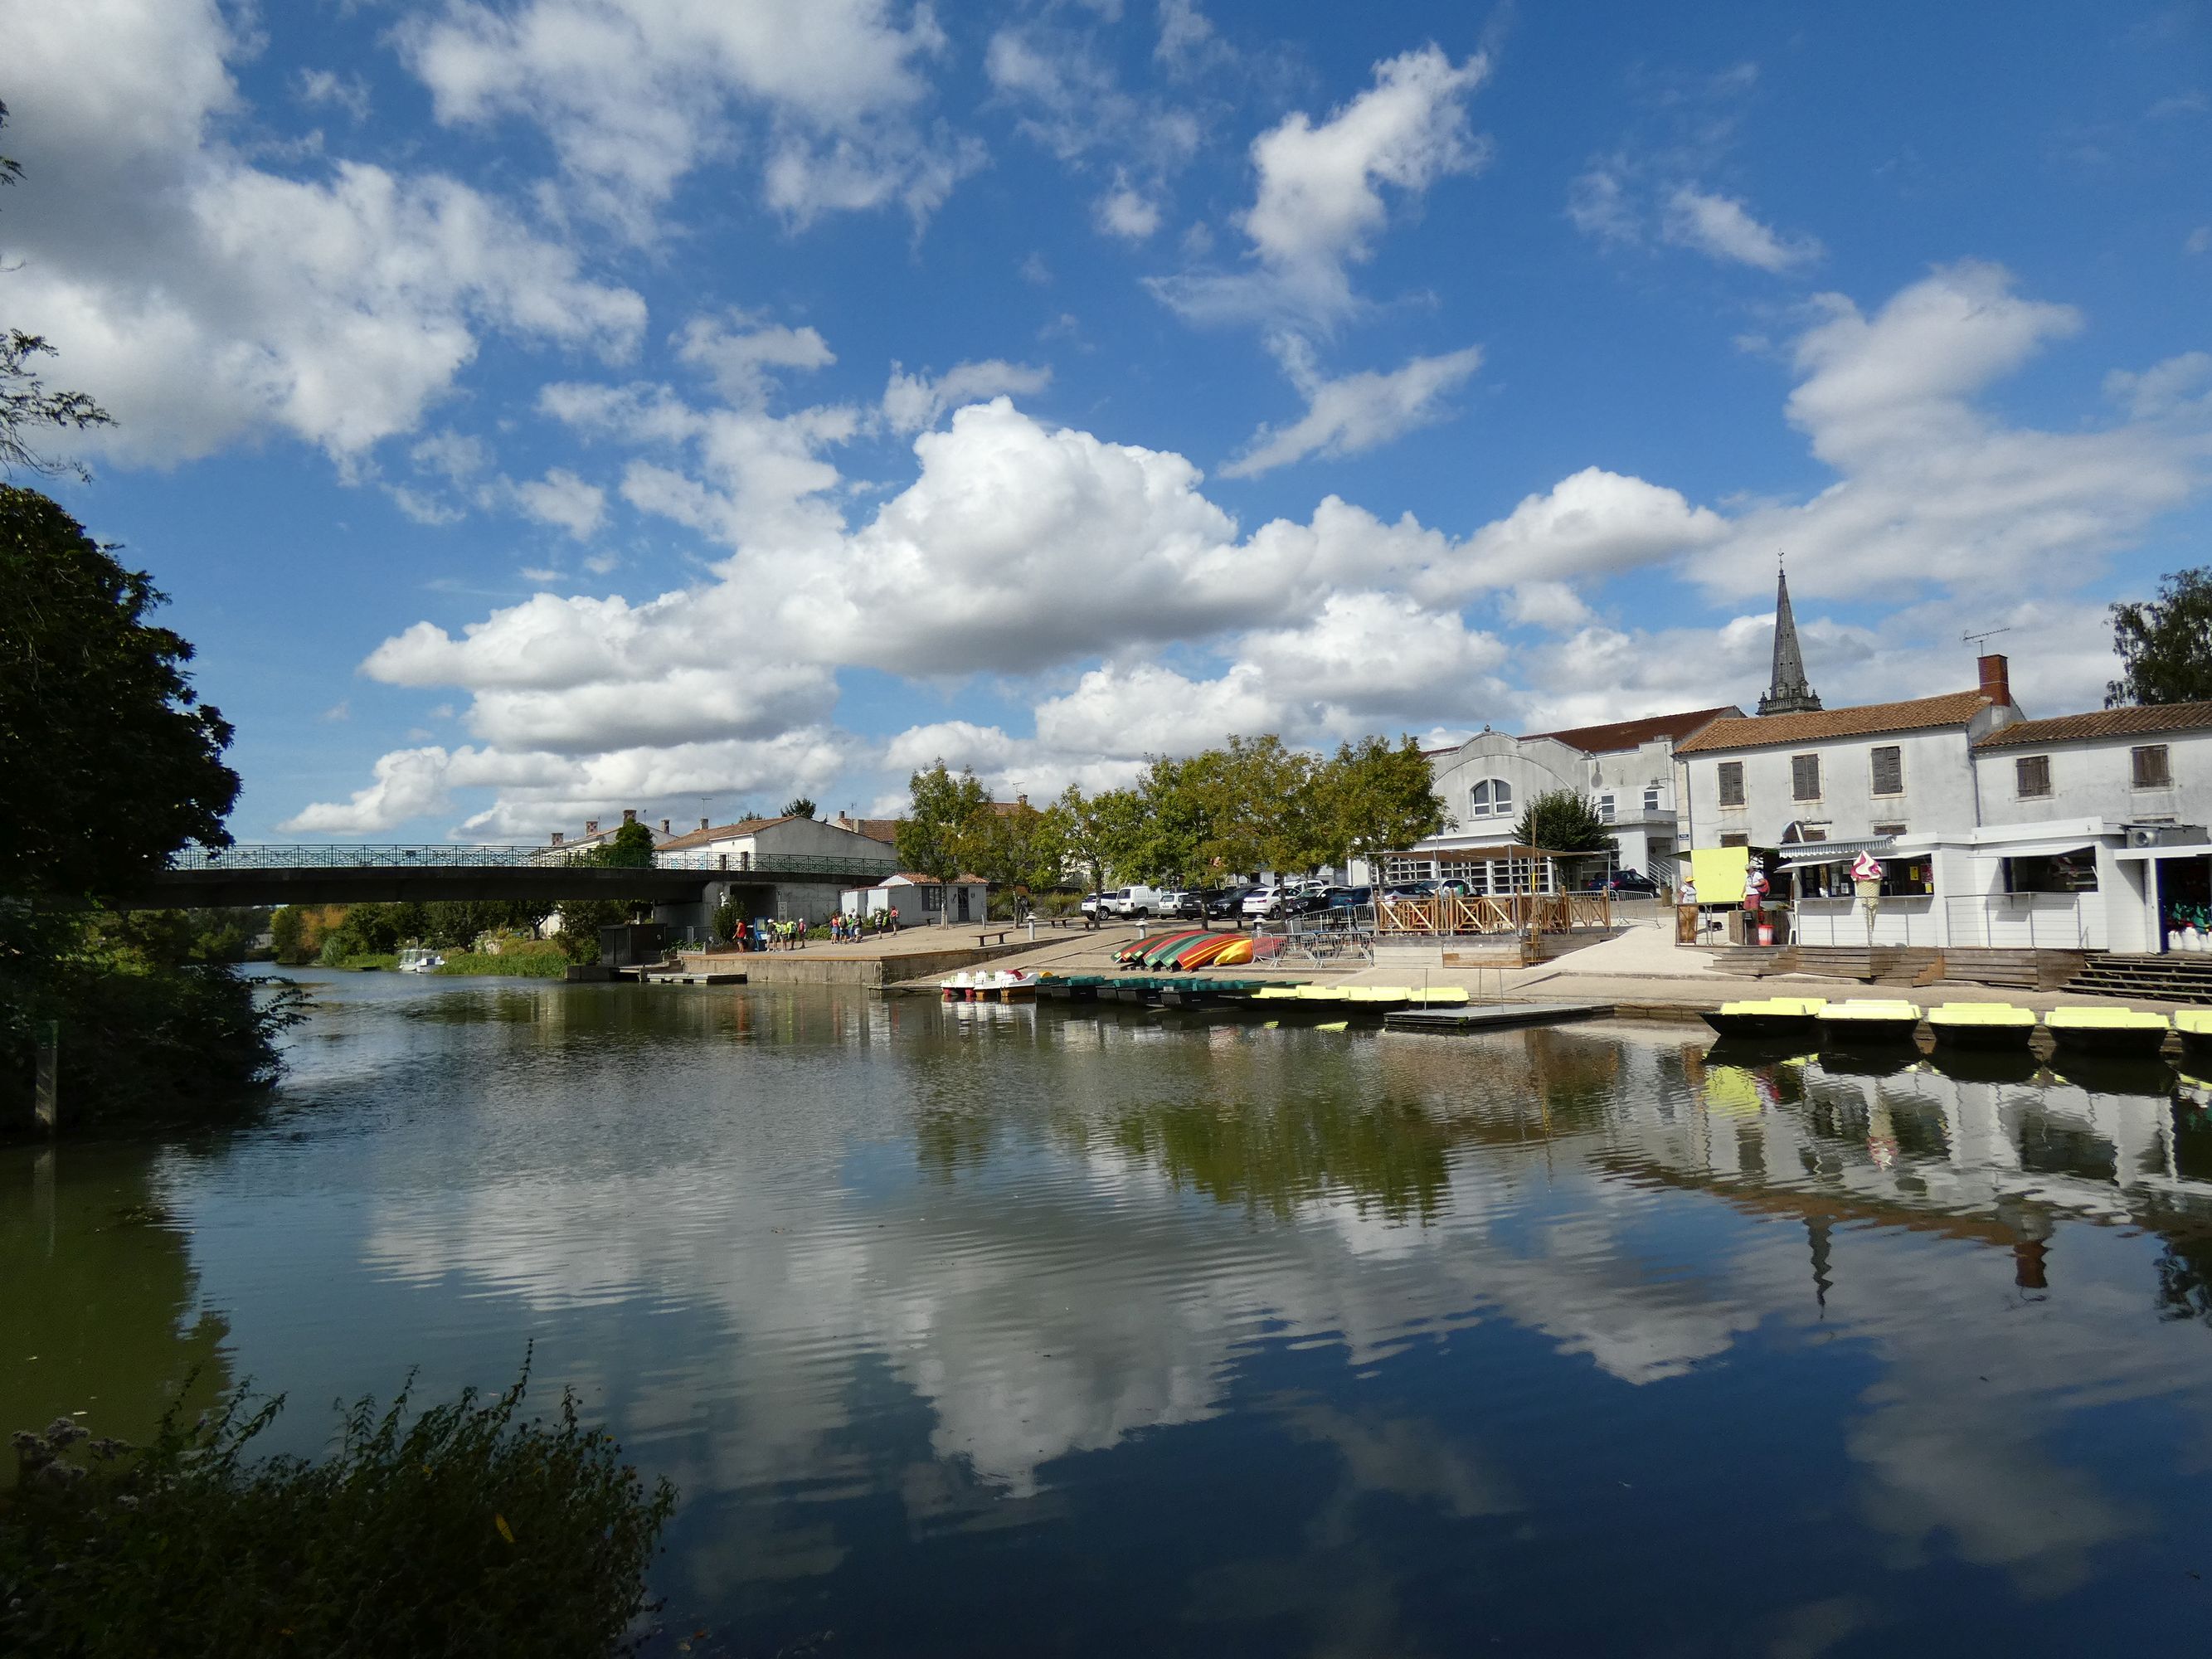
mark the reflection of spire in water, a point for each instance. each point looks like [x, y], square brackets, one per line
[1816, 1230]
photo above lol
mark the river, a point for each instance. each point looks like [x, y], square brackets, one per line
[1026, 1330]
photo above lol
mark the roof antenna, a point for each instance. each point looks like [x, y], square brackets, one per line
[1975, 640]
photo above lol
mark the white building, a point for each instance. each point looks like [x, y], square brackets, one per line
[921, 900]
[1625, 769]
[1879, 770]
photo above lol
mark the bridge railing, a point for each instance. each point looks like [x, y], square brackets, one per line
[356, 855]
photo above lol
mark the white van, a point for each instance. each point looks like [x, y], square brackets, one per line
[1138, 901]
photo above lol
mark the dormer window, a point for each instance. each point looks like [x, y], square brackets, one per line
[1492, 797]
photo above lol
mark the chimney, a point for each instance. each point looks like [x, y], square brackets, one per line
[558, 837]
[1996, 680]
[629, 815]
[590, 826]
[705, 824]
[664, 826]
[1021, 800]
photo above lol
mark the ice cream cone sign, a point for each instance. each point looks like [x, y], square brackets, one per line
[1866, 878]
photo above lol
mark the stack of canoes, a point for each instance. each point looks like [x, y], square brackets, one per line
[1194, 947]
[1013, 986]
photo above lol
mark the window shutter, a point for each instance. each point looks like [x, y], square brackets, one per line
[1889, 770]
[1731, 781]
[2151, 770]
[2034, 772]
[1805, 776]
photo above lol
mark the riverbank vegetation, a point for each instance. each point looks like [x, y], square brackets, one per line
[462, 1529]
[109, 764]
[1253, 804]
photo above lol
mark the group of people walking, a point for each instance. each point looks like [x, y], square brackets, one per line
[760, 933]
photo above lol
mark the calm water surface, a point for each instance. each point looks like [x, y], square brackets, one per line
[1028, 1331]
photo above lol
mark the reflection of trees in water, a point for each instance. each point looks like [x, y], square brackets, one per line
[1278, 1154]
[100, 1287]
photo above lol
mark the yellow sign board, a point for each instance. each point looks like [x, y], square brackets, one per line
[1719, 873]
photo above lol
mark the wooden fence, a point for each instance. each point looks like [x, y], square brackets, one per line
[1450, 913]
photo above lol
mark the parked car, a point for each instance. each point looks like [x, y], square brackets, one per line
[1627, 881]
[1304, 901]
[1263, 902]
[1226, 901]
[1350, 898]
[1094, 904]
[1134, 900]
[1410, 889]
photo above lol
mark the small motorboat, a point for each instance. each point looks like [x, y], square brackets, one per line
[2195, 1025]
[1865, 1020]
[2123, 1032]
[1981, 1025]
[1767, 1019]
[420, 959]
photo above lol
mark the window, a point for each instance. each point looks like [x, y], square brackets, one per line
[932, 897]
[1889, 829]
[2152, 771]
[1805, 777]
[2060, 872]
[1735, 840]
[1605, 809]
[1492, 797]
[1889, 769]
[1901, 878]
[1650, 798]
[1731, 784]
[2032, 776]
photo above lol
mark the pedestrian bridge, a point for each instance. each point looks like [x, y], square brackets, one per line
[328, 873]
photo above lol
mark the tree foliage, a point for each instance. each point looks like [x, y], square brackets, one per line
[1253, 804]
[2165, 645]
[1562, 821]
[935, 836]
[108, 762]
[798, 807]
[26, 404]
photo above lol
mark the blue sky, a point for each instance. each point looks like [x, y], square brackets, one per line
[543, 408]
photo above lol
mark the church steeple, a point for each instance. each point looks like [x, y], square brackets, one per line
[1787, 693]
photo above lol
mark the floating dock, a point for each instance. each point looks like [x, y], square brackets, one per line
[1493, 1016]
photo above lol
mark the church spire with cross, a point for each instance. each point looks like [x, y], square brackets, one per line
[1787, 693]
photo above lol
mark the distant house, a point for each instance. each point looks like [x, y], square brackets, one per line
[753, 843]
[1624, 769]
[918, 900]
[883, 830]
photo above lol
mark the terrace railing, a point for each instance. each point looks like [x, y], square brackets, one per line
[1443, 914]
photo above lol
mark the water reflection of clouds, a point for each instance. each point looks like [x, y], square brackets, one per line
[1056, 1291]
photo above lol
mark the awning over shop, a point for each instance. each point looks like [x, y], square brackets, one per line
[1835, 852]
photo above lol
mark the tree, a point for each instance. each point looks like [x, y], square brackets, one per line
[25, 403]
[934, 840]
[1078, 827]
[108, 762]
[2165, 645]
[800, 807]
[1562, 821]
[1015, 847]
[1382, 799]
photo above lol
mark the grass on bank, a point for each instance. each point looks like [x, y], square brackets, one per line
[526, 964]
[465, 1530]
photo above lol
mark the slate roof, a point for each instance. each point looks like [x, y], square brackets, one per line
[1868, 720]
[2102, 723]
[1634, 734]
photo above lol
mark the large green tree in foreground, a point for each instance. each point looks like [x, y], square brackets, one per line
[108, 761]
[2165, 645]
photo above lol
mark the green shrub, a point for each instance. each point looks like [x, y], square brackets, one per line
[359, 961]
[146, 1045]
[463, 1531]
